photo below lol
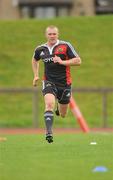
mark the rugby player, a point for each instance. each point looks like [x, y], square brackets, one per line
[57, 56]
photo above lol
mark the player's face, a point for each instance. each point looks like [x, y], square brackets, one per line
[52, 35]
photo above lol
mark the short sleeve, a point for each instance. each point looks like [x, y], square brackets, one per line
[71, 51]
[36, 54]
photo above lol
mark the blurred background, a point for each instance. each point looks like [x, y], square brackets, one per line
[88, 25]
[19, 9]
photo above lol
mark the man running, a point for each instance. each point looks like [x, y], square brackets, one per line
[57, 56]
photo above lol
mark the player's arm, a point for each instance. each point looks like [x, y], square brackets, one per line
[70, 62]
[35, 67]
[73, 57]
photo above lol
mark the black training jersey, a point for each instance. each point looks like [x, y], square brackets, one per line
[54, 72]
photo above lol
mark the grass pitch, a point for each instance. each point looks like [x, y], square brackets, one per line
[70, 157]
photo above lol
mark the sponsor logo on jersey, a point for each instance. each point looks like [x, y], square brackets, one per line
[42, 53]
[48, 59]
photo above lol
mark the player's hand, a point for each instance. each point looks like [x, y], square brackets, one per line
[57, 59]
[35, 80]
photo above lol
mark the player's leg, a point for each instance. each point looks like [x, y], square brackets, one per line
[63, 108]
[48, 115]
[64, 95]
[49, 99]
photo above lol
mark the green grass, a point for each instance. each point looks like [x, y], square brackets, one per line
[69, 157]
[93, 39]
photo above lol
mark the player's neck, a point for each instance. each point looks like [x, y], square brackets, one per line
[50, 44]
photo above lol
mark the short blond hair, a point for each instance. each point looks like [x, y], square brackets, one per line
[52, 27]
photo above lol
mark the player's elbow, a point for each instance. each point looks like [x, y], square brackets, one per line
[79, 61]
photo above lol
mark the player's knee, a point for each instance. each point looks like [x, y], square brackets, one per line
[49, 106]
[63, 115]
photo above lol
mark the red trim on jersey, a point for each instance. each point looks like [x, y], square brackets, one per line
[68, 75]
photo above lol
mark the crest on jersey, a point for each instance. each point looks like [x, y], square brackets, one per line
[60, 49]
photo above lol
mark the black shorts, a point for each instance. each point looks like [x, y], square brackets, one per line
[63, 94]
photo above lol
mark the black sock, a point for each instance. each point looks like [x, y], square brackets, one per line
[48, 116]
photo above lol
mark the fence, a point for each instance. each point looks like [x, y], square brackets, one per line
[104, 92]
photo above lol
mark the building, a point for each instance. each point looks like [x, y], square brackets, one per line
[17, 9]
